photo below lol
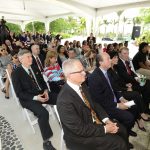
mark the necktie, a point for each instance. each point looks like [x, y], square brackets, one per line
[94, 116]
[33, 79]
[128, 67]
[39, 64]
[106, 76]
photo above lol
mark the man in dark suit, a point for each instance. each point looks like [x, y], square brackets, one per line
[32, 92]
[37, 58]
[125, 71]
[102, 92]
[86, 125]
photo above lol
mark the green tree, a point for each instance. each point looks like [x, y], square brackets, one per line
[145, 15]
[124, 23]
[59, 25]
[114, 22]
[38, 27]
[82, 25]
[14, 27]
[105, 23]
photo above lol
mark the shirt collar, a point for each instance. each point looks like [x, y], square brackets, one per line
[122, 60]
[104, 71]
[73, 86]
[25, 68]
[35, 56]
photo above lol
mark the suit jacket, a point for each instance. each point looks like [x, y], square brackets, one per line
[76, 117]
[122, 71]
[34, 63]
[24, 86]
[100, 90]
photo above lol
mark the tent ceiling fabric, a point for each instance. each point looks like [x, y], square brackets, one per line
[46, 10]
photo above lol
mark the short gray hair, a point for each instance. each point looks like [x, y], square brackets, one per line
[68, 66]
[34, 45]
[22, 52]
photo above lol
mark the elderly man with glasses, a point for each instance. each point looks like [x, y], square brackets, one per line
[86, 125]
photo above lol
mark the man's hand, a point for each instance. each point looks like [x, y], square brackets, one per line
[45, 94]
[111, 128]
[122, 106]
[41, 98]
[123, 100]
[128, 85]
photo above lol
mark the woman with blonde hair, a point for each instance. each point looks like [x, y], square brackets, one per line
[53, 71]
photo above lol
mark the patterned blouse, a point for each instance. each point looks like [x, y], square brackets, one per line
[54, 73]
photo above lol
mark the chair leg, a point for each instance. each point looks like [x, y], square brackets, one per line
[32, 123]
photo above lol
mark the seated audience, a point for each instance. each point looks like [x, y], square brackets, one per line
[53, 71]
[121, 88]
[102, 92]
[71, 53]
[124, 70]
[5, 59]
[140, 61]
[32, 92]
[37, 58]
[85, 124]
[62, 54]
[11, 67]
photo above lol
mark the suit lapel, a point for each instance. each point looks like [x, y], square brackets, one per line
[103, 77]
[75, 95]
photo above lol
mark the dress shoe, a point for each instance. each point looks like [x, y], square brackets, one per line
[7, 97]
[148, 119]
[132, 133]
[131, 146]
[141, 128]
[48, 146]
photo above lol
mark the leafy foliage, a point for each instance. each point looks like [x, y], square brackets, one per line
[145, 37]
[145, 15]
[14, 27]
[35, 27]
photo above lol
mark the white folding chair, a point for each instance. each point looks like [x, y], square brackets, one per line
[27, 113]
[1, 82]
[62, 142]
[0, 144]
[12, 89]
[46, 81]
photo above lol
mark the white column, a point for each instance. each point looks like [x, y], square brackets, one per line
[88, 26]
[46, 26]
[23, 25]
[95, 26]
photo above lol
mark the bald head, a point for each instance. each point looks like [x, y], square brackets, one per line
[104, 61]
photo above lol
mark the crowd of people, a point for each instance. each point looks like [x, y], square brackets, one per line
[90, 83]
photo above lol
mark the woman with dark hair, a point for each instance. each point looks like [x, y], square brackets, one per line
[62, 55]
[126, 90]
[109, 48]
[78, 49]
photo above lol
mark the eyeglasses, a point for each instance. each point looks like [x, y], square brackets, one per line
[77, 72]
[2, 50]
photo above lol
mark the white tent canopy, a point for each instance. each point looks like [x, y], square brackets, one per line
[25, 11]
